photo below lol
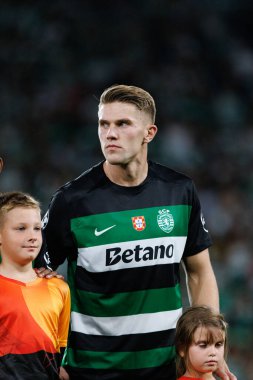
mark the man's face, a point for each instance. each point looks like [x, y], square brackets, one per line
[123, 132]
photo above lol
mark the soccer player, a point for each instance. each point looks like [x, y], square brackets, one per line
[125, 225]
[34, 312]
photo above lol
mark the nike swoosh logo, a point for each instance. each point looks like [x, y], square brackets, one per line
[98, 233]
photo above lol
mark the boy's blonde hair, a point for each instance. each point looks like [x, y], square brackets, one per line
[12, 199]
[130, 94]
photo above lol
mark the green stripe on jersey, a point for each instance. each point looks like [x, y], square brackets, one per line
[127, 303]
[123, 360]
[107, 228]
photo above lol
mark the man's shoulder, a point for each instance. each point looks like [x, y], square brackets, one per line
[84, 182]
[168, 174]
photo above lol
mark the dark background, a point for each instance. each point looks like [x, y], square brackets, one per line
[196, 59]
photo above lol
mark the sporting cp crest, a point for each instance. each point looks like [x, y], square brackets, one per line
[165, 220]
[139, 223]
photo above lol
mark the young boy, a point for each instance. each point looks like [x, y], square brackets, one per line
[34, 312]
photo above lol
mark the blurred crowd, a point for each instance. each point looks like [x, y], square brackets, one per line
[196, 59]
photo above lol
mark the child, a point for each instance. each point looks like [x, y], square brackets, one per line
[34, 312]
[201, 339]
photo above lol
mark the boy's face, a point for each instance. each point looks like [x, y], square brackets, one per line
[20, 235]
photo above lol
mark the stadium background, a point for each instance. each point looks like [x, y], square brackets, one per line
[196, 59]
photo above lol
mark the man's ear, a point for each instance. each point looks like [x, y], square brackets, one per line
[150, 133]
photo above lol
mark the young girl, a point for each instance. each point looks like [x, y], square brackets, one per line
[201, 340]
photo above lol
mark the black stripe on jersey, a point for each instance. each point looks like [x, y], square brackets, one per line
[167, 372]
[127, 280]
[134, 342]
[85, 194]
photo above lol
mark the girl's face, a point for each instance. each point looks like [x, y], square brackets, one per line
[205, 354]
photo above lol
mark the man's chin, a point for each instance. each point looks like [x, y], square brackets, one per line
[115, 161]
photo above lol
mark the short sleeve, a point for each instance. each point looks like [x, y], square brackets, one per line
[198, 237]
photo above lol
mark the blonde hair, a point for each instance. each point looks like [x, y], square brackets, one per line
[130, 94]
[190, 320]
[13, 199]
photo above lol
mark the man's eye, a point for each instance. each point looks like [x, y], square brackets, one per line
[103, 125]
[123, 123]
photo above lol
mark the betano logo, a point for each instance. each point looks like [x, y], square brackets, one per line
[115, 255]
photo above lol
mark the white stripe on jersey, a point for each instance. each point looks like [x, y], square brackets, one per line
[124, 325]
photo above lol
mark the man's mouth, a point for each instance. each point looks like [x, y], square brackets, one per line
[112, 146]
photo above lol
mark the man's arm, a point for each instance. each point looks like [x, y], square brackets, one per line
[201, 282]
[58, 243]
[203, 290]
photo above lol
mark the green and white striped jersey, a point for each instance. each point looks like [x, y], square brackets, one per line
[124, 246]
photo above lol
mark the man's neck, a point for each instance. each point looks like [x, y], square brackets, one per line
[126, 175]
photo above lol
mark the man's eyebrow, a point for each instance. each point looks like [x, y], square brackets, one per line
[124, 120]
[117, 121]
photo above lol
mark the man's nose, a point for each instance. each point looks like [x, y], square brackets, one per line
[112, 132]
